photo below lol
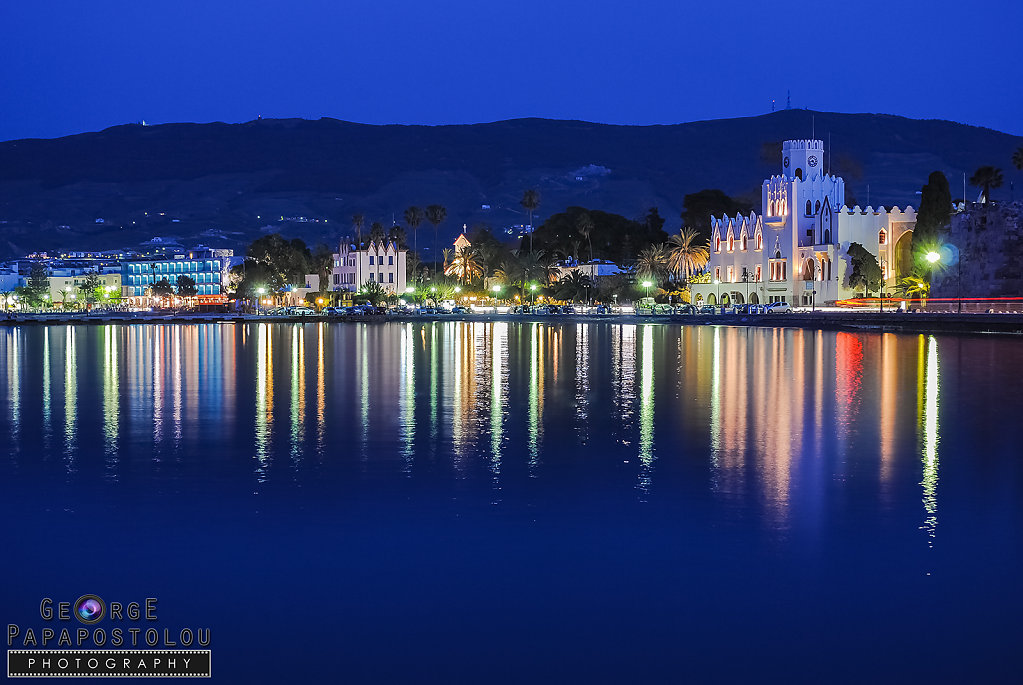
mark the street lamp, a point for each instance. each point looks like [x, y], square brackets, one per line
[718, 284]
[497, 293]
[260, 292]
[646, 287]
[532, 293]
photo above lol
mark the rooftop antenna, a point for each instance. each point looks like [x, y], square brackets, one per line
[772, 104]
[813, 127]
[788, 99]
[829, 153]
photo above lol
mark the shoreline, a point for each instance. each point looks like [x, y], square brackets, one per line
[916, 322]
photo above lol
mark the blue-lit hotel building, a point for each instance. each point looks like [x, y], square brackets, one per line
[208, 268]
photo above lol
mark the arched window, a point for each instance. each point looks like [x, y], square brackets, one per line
[882, 237]
[759, 241]
[731, 243]
[717, 243]
[743, 242]
[809, 208]
[799, 174]
[770, 208]
[817, 207]
[827, 236]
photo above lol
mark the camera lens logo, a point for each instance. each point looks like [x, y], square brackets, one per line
[90, 609]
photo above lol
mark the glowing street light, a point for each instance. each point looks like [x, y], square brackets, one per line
[260, 292]
[532, 293]
[646, 286]
[718, 284]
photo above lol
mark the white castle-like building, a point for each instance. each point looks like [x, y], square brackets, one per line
[796, 250]
[378, 262]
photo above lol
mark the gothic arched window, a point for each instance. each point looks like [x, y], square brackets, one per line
[809, 208]
[817, 207]
[759, 241]
[743, 242]
[882, 237]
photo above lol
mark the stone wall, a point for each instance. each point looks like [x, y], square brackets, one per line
[989, 238]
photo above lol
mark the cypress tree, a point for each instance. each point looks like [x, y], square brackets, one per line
[931, 218]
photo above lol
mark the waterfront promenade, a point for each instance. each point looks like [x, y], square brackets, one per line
[923, 322]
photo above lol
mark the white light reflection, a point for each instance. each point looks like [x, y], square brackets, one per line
[111, 400]
[646, 410]
[70, 399]
[297, 392]
[582, 380]
[498, 397]
[407, 397]
[930, 440]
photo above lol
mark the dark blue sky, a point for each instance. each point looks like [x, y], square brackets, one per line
[70, 66]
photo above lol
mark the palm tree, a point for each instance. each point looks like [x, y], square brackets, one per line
[1017, 158]
[436, 214]
[397, 236]
[377, 233]
[414, 217]
[574, 286]
[465, 266]
[447, 255]
[584, 224]
[530, 201]
[358, 221]
[913, 286]
[688, 253]
[986, 178]
[652, 263]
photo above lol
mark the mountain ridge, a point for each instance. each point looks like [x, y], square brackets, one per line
[228, 183]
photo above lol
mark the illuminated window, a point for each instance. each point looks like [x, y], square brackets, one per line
[757, 273]
[717, 243]
[731, 243]
[717, 273]
[743, 242]
[882, 237]
[760, 241]
[731, 274]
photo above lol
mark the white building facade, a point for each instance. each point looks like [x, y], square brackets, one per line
[796, 249]
[382, 263]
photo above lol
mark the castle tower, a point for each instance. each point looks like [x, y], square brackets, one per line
[803, 159]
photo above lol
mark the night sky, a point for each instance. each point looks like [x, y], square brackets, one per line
[72, 66]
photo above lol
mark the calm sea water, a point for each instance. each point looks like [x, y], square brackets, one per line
[526, 502]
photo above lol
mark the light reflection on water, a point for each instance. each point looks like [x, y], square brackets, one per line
[450, 483]
[777, 410]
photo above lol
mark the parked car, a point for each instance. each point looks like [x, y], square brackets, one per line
[686, 309]
[568, 309]
[708, 309]
[302, 311]
[459, 309]
[778, 308]
[602, 309]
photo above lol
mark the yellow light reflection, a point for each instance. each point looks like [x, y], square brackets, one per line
[264, 400]
[498, 396]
